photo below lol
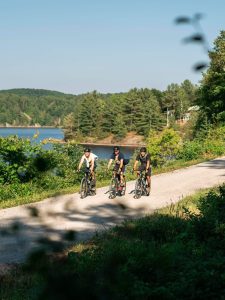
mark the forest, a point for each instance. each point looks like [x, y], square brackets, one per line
[95, 114]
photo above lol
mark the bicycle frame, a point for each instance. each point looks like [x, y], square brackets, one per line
[115, 185]
[140, 185]
[85, 187]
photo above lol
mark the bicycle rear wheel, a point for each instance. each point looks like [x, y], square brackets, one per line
[83, 188]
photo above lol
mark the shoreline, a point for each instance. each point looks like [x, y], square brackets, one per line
[111, 145]
[28, 127]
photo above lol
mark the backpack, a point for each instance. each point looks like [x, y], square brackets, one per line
[126, 161]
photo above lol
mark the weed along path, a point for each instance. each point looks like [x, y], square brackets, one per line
[52, 222]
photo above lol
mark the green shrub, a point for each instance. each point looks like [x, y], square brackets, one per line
[215, 141]
[26, 168]
[163, 146]
[191, 150]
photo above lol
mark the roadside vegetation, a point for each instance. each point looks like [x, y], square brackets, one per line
[173, 254]
[29, 173]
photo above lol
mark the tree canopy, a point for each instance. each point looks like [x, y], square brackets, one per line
[212, 89]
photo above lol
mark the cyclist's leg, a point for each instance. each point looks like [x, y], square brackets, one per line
[93, 176]
[148, 178]
[122, 175]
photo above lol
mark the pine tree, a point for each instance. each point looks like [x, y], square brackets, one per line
[212, 89]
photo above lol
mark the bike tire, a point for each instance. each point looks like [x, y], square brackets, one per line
[83, 188]
[138, 189]
[93, 187]
[113, 188]
[124, 187]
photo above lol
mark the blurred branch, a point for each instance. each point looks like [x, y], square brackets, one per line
[198, 37]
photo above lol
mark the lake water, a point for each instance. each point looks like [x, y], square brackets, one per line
[103, 152]
[44, 133]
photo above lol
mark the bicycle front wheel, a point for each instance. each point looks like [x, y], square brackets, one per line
[138, 189]
[123, 187]
[83, 188]
[113, 188]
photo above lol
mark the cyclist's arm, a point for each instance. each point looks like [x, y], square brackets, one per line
[92, 164]
[121, 163]
[135, 164]
[81, 162]
[148, 163]
[110, 162]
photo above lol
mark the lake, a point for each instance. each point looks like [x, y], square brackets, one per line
[103, 152]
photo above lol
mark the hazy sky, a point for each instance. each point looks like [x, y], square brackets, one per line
[77, 46]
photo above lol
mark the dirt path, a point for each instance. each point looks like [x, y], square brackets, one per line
[20, 232]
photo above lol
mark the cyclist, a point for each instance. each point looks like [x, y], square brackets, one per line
[144, 158]
[119, 167]
[90, 160]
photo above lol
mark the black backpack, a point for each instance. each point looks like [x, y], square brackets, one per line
[126, 161]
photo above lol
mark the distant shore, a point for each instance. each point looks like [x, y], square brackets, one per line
[28, 127]
[110, 145]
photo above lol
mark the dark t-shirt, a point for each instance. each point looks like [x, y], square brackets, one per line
[143, 159]
[118, 157]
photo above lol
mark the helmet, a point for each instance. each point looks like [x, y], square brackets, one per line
[87, 150]
[143, 149]
[116, 148]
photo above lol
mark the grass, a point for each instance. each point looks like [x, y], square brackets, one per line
[167, 255]
[187, 204]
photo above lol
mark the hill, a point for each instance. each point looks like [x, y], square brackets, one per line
[44, 107]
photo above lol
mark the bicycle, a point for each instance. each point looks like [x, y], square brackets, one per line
[87, 186]
[141, 186]
[115, 188]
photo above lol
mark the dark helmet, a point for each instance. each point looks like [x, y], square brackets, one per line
[116, 148]
[143, 149]
[87, 150]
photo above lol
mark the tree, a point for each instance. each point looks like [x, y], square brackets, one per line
[163, 146]
[119, 128]
[90, 117]
[212, 89]
[68, 124]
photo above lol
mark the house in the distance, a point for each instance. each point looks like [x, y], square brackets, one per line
[187, 115]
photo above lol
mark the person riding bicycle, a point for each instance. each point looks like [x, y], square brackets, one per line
[90, 161]
[144, 158]
[119, 167]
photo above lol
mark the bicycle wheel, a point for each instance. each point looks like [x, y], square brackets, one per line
[113, 188]
[146, 188]
[138, 189]
[123, 187]
[83, 188]
[93, 187]
[149, 192]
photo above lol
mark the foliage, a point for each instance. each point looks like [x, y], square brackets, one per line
[191, 150]
[31, 106]
[94, 114]
[160, 256]
[212, 89]
[163, 146]
[26, 168]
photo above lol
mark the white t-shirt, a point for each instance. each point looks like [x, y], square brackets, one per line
[89, 160]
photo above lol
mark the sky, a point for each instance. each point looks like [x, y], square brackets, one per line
[77, 46]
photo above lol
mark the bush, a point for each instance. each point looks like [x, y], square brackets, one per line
[26, 168]
[191, 150]
[215, 141]
[163, 146]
